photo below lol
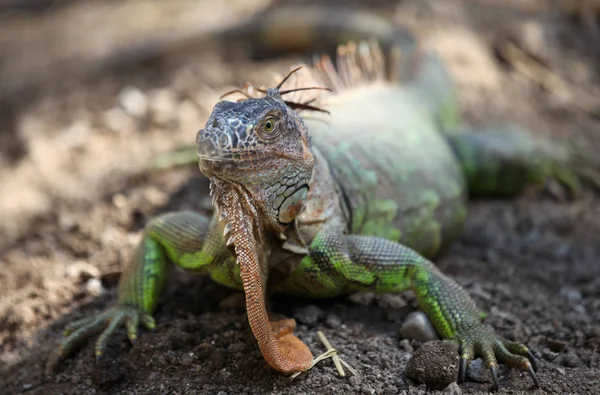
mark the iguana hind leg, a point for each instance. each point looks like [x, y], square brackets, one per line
[339, 263]
[175, 237]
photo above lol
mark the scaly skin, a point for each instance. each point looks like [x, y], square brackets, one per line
[361, 205]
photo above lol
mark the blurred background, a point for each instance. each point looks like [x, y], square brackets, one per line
[92, 90]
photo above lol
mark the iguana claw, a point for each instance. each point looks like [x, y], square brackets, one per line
[482, 341]
[494, 371]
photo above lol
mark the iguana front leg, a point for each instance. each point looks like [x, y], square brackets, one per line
[176, 237]
[338, 263]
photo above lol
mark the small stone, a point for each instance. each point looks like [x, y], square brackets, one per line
[94, 287]
[477, 371]
[452, 389]
[405, 345]
[556, 345]
[549, 355]
[392, 301]
[354, 380]
[362, 298]
[308, 315]
[571, 294]
[417, 326]
[221, 393]
[367, 390]
[134, 102]
[571, 360]
[27, 387]
[435, 364]
[333, 321]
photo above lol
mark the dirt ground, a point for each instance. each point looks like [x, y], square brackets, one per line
[76, 194]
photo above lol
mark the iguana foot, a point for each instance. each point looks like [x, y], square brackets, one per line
[104, 324]
[480, 340]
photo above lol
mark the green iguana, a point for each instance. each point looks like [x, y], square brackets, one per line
[356, 199]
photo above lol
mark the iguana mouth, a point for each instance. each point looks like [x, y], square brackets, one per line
[280, 348]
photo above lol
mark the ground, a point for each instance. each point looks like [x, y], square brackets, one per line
[77, 193]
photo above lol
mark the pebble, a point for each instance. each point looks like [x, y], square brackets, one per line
[405, 345]
[571, 294]
[556, 345]
[417, 326]
[355, 380]
[94, 287]
[333, 321]
[392, 301]
[452, 389]
[571, 360]
[133, 101]
[308, 315]
[549, 355]
[477, 371]
[362, 298]
[367, 390]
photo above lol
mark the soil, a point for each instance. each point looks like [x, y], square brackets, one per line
[75, 199]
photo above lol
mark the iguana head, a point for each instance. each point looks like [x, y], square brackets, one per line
[260, 147]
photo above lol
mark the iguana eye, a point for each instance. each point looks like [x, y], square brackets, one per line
[269, 128]
[269, 124]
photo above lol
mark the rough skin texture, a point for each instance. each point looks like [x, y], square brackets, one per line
[360, 202]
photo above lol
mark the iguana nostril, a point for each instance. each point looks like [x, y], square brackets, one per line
[215, 123]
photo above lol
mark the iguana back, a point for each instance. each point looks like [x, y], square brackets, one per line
[398, 177]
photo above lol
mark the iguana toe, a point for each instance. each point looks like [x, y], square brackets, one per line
[104, 324]
[479, 340]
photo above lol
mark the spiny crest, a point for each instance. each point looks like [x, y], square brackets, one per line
[248, 91]
[231, 203]
[356, 64]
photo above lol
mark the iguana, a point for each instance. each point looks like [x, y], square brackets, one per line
[360, 198]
